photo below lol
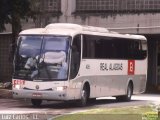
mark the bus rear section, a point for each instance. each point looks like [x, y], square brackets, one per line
[115, 65]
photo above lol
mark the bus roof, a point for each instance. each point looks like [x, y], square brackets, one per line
[73, 29]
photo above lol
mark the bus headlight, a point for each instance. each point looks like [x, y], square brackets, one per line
[61, 88]
[17, 86]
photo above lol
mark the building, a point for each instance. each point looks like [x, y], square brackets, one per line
[123, 16]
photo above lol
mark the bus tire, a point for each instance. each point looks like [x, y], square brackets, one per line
[128, 96]
[92, 100]
[84, 97]
[36, 102]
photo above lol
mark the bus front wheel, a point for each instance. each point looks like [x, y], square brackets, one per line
[84, 97]
[36, 102]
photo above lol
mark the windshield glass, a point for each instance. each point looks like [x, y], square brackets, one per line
[42, 58]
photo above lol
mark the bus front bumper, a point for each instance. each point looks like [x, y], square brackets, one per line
[44, 95]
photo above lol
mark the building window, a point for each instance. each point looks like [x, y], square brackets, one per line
[117, 5]
[53, 5]
[50, 3]
[46, 5]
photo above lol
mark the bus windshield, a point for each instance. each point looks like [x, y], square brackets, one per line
[43, 58]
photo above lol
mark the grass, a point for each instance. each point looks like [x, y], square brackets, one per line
[124, 113]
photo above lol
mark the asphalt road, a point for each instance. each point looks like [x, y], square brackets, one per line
[51, 108]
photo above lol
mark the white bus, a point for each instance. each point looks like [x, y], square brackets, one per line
[74, 62]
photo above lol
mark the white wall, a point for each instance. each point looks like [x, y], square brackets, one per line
[147, 23]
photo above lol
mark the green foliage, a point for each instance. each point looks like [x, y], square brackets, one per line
[12, 11]
[100, 117]
[150, 116]
[4, 14]
[123, 113]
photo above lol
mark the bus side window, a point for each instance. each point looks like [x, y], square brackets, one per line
[75, 56]
[143, 49]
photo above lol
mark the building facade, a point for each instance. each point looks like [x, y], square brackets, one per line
[5, 57]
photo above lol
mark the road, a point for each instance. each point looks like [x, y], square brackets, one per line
[11, 106]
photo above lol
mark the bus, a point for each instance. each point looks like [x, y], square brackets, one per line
[65, 62]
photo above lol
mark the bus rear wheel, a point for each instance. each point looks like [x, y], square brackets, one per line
[128, 96]
[92, 100]
[36, 102]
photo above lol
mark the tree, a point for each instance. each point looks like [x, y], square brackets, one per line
[12, 11]
[4, 14]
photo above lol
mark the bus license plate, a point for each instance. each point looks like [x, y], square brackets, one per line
[37, 94]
